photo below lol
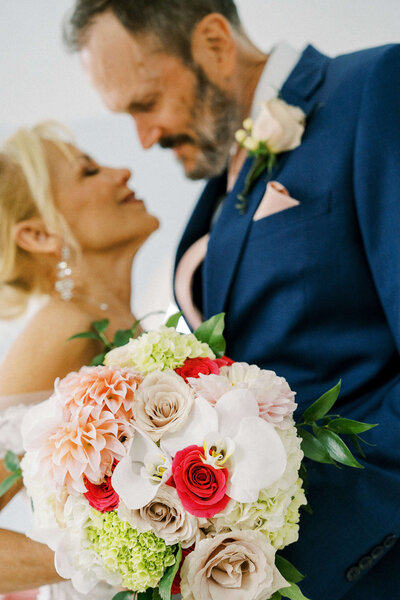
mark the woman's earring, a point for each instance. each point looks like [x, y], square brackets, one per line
[64, 284]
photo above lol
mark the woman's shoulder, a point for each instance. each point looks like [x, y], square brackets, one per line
[43, 352]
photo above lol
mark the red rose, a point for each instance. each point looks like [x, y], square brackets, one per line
[176, 584]
[200, 486]
[192, 367]
[102, 497]
[224, 361]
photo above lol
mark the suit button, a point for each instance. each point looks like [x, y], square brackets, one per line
[365, 562]
[353, 573]
[377, 552]
[389, 540]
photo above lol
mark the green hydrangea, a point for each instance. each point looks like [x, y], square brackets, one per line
[163, 348]
[140, 558]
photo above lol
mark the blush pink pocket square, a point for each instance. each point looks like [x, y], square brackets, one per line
[275, 199]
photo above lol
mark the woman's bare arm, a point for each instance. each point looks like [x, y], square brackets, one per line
[5, 499]
[24, 564]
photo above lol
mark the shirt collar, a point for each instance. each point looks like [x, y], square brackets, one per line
[282, 60]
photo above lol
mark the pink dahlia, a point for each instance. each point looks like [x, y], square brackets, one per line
[81, 448]
[101, 388]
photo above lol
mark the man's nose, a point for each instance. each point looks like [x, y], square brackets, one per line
[149, 134]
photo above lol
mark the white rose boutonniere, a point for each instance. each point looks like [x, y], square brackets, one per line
[278, 128]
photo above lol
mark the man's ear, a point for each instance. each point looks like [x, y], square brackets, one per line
[33, 236]
[213, 47]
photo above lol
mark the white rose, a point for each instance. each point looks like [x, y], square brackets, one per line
[162, 403]
[166, 517]
[279, 125]
[238, 565]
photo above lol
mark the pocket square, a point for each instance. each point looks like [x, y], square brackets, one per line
[275, 199]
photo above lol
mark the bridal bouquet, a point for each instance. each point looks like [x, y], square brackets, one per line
[171, 469]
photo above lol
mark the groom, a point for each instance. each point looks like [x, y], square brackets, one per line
[308, 273]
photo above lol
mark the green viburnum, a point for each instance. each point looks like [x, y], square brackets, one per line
[163, 348]
[140, 558]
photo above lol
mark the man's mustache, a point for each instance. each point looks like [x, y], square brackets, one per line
[176, 140]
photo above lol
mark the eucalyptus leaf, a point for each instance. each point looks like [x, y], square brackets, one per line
[100, 326]
[85, 334]
[312, 447]
[98, 360]
[9, 481]
[126, 595]
[342, 425]
[211, 332]
[287, 570]
[337, 449]
[164, 587]
[121, 337]
[293, 592]
[11, 461]
[174, 320]
[323, 405]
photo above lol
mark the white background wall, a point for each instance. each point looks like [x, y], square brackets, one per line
[40, 81]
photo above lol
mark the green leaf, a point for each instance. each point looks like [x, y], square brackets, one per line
[211, 332]
[11, 461]
[313, 448]
[323, 405]
[121, 337]
[100, 326]
[164, 587]
[349, 426]
[354, 438]
[174, 319]
[287, 570]
[156, 594]
[147, 595]
[126, 595]
[337, 449]
[98, 360]
[276, 596]
[293, 592]
[85, 334]
[9, 481]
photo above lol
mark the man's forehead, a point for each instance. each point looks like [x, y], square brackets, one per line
[122, 68]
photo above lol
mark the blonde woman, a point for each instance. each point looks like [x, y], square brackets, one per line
[69, 230]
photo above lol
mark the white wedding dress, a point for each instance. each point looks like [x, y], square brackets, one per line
[11, 439]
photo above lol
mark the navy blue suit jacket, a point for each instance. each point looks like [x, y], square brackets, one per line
[313, 292]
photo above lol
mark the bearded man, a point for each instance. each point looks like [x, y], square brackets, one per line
[306, 262]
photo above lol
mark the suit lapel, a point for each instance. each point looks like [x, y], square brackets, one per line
[231, 230]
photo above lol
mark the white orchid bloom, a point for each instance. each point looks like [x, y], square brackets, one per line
[234, 436]
[140, 473]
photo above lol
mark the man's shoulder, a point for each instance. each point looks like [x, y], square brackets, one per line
[366, 62]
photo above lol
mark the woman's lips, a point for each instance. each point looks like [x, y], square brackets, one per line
[130, 199]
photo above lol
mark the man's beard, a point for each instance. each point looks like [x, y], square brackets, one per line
[215, 117]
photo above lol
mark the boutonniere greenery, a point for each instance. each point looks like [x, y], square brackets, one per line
[278, 128]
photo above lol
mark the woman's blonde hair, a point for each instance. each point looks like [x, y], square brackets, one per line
[25, 192]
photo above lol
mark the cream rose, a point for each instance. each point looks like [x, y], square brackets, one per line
[238, 565]
[279, 125]
[166, 517]
[162, 403]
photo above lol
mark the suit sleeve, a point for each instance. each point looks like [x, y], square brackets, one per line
[377, 181]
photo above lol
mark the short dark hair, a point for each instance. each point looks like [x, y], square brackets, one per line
[171, 21]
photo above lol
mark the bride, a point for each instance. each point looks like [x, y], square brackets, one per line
[69, 230]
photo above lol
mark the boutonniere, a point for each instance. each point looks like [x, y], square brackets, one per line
[278, 128]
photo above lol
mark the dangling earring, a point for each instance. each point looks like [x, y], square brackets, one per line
[64, 284]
